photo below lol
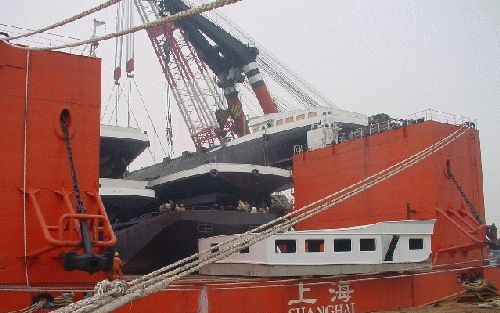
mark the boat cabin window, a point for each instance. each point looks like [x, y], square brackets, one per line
[312, 114]
[342, 245]
[300, 117]
[205, 228]
[315, 245]
[289, 119]
[416, 243]
[245, 250]
[255, 129]
[367, 244]
[279, 122]
[285, 246]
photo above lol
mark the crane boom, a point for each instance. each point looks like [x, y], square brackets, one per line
[226, 56]
[194, 91]
[289, 80]
[188, 48]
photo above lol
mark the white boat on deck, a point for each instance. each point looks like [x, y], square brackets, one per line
[381, 247]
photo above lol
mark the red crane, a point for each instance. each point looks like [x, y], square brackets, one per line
[193, 88]
[188, 58]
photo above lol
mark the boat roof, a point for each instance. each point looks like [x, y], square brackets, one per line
[386, 227]
[404, 227]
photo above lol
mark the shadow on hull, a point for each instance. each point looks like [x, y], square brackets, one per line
[160, 240]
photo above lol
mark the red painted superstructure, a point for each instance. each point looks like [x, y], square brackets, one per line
[421, 192]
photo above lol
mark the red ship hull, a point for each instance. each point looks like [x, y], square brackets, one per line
[57, 81]
[353, 294]
[370, 293]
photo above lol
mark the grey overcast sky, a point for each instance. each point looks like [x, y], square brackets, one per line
[397, 57]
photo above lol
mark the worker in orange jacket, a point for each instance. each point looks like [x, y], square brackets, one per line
[117, 268]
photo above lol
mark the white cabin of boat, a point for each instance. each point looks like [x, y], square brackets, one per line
[384, 246]
[275, 122]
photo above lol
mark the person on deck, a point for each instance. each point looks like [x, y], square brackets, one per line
[117, 268]
[241, 206]
[166, 207]
[180, 208]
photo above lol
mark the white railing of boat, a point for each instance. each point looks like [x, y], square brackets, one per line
[442, 117]
[414, 118]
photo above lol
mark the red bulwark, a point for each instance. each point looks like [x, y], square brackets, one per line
[421, 192]
[53, 81]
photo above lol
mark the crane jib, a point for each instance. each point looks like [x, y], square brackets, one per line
[224, 54]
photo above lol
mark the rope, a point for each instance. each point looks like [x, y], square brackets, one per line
[149, 117]
[306, 215]
[25, 165]
[172, 18]
[154, 282]
[260, 227]
[47, 38]
[423, 156]
[107, 102]
[222, 283]
[326, 280]
[33, 308]
[118, 287]
[119, 92]
[64, 22]
[137, 123]
[289, 215]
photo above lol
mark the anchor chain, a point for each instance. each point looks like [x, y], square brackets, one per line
[80, 208]
[469, 204]
[88, 260]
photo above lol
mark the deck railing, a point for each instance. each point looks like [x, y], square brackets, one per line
[443, 117]
[414, 118]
